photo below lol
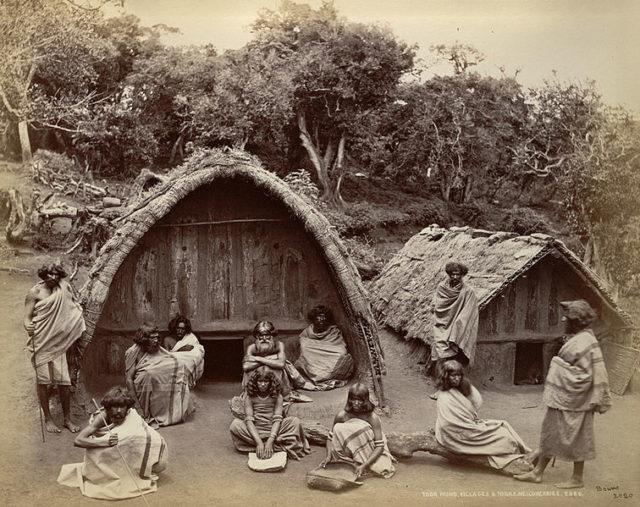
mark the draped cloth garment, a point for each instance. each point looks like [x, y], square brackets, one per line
[104, 475]
[324, 358]
[289, 377]
[460, 430]
[192, 359]
[577, 382]
[290, 438]
[456, 322]
[161, 384]
[58, 322]
[353, 442]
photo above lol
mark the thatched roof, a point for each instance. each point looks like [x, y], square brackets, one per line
[205, 169]
[404, 289]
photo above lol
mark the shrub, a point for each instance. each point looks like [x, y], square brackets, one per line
[424, 214]
[524, 221]
[471, 213]
[300, 182]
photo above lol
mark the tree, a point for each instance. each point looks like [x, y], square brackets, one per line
[338, 71]
[461, 56]
[64, 75]
[599, 183]
[47, 46]
[455, 130]
[589, 153]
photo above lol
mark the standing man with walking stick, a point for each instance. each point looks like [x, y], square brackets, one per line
[53, 320]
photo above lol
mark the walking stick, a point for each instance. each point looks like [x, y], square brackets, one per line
[120, 453]
[33, 361]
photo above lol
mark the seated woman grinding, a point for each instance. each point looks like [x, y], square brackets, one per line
[460, 430]
[264, 430]
[357, 438]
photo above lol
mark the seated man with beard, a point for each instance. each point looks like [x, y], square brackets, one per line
[186, 347]
[116, 433]
[324, 358]
[157, 379]
[266, 351]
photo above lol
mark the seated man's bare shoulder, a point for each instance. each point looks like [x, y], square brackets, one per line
[341, 417]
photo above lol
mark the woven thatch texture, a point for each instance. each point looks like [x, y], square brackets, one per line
[404, 289]
[206, 169]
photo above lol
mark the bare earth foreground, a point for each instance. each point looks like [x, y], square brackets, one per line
[204, 469]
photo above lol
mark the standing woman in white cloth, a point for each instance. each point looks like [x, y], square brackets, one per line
[324, 359]
[576, 387]
[357, 437]
[460, 430]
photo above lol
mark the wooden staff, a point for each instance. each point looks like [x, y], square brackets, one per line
[33, 345]
[121, 455]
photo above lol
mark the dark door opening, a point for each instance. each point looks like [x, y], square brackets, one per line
[529, 367]
[223, 360]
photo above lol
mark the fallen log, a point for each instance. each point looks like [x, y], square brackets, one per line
[95, 190]
[59, 212]
[111, 202]
[404, 445]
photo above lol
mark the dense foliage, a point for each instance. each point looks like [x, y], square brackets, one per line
[314, 91]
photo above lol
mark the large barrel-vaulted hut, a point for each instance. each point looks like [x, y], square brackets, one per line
[519, 282]
[226, 243]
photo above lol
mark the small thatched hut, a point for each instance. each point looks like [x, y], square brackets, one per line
[225, 243]
[519, 282]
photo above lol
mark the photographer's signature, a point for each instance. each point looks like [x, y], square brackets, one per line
[614, 491]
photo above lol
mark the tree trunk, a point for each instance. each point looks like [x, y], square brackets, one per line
[445, 188]
[592, 259]
[322, 163]
[25, 145]
[466, 196]
[404, 445]
[177, 147]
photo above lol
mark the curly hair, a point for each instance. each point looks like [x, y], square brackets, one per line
[456, 266]
[579, 313]
[118, 397]
[275, 388]
[359, 390]
[53, 268]
[264, 325]
[143, 334]
[446, 369]
[179, 319]
[320, 310]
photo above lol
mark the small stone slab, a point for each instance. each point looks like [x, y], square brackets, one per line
[275, 463]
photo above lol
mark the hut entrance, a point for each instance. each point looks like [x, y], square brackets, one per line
[223, 359]
[529, 364]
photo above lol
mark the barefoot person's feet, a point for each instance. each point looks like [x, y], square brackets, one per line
[70, 426]
[51, 427]
[434, 396]
[529, 477]
[570, 484]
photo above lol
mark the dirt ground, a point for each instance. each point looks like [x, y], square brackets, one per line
[204, 469]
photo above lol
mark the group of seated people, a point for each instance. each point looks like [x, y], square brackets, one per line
[323, 363]
[161, 373]
[159, 379]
